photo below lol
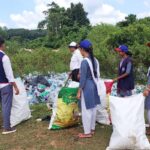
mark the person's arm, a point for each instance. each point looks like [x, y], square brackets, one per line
[83, 77]
[9, 73]
[129, 66]
[147, 90]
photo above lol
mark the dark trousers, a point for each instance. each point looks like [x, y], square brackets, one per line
[74, 75]
[6, 97]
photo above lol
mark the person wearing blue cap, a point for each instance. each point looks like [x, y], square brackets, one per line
[88, 89]
[125, 80]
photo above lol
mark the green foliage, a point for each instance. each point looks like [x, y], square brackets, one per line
[3, 32]
[25, 34]
[130, 19]
[64, 25]
[41, 60]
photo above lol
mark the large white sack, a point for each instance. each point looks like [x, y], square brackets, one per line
[102, 115]
[20, 106]
[128, 123]
[103, 96]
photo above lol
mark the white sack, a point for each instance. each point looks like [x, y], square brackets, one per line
[102, 115]
[20, 106]
[128, 123]
[103, 96]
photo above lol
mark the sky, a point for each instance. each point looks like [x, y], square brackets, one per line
[27, 13]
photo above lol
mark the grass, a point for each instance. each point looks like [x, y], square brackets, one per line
[32, 135]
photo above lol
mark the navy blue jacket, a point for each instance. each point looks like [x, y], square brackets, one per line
[3, 78]
[126, 83]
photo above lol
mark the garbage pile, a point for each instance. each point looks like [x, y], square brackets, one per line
[45, 89]
[138, 89]
[41, 89]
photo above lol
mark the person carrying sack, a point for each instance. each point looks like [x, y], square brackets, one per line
[88, 91]
[6, 88]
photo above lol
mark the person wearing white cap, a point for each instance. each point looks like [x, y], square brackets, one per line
[76, 60]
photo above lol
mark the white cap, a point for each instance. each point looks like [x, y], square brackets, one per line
[73, 44]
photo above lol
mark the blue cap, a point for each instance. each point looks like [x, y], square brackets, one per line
[85, 44]
[122, 48]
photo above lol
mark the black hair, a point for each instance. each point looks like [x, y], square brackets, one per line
[129, 53]
[73, 47]
[2, 41]
[90, 51]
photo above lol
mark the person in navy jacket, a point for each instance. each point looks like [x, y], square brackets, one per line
[125, 79]
[6, 88]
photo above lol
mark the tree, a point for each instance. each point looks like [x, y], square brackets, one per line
[77, 14]
[130, 19]
[3, 32]
[62, 24]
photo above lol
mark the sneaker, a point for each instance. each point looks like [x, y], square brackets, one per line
[12, 130]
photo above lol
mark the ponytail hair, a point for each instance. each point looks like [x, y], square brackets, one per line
[90, 51]
[129, 53]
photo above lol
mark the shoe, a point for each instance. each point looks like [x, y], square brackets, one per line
[11, 130]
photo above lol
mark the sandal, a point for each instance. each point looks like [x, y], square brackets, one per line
[92, 132]
[82, 135]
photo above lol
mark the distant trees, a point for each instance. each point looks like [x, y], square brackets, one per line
[63, 24]
[130, 19]
[25, 34]
[3, 32]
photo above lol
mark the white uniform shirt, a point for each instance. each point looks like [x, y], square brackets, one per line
[8, 70]
[76, 60]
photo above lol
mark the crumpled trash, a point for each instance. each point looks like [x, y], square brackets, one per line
[138, 89]
[37, 80]
[41, 89]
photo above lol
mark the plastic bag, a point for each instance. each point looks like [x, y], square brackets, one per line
[73, 84]
[109, 85]
[102, 115]
[128, 123]
[20, 106]
[103, 93]
[65, 109]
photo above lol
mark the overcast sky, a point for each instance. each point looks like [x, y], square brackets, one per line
[27, 13]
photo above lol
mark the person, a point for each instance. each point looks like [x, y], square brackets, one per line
[6, 88]
[76, 60]
[147, 95]
[125, 80]
[88, 91]
[147, 100]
